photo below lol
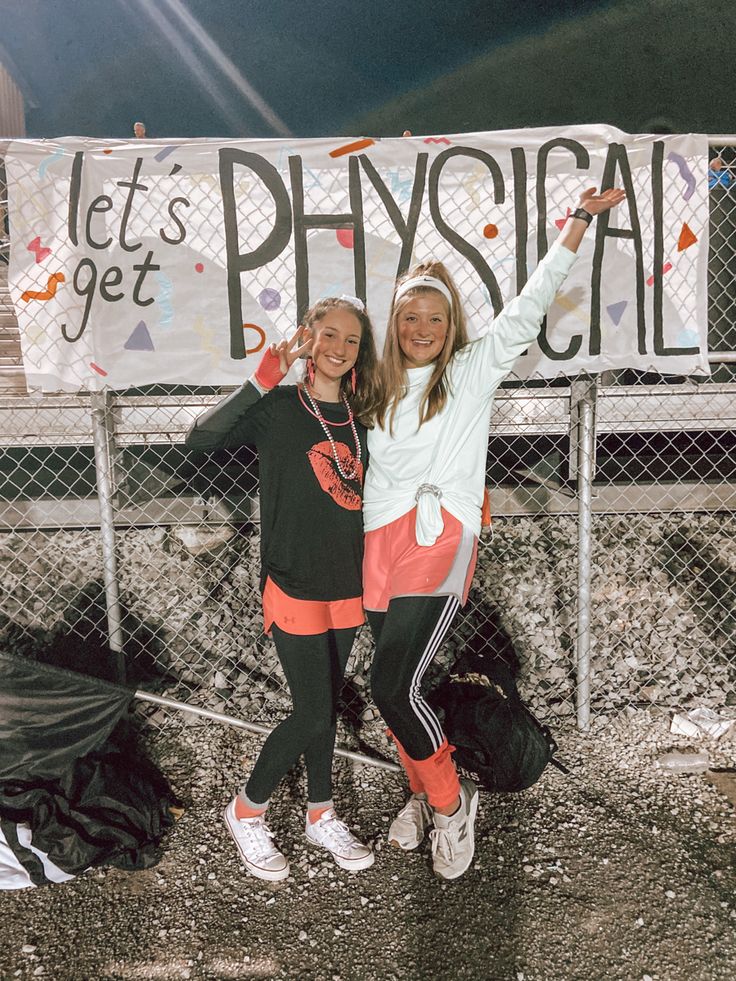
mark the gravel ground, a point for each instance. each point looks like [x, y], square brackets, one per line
[618, 871]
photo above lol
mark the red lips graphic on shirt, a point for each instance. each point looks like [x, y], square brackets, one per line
[323, 464]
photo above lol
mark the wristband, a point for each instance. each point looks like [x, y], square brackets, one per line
[582, 213]
[268, 373]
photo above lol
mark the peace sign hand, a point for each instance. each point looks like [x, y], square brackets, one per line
[278, 358]
[289, 351]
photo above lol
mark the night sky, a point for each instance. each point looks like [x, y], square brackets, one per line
[92, 67]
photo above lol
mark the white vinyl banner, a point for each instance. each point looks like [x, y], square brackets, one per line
[142, 263]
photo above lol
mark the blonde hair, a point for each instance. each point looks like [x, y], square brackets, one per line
[393, 368]
[367, 381]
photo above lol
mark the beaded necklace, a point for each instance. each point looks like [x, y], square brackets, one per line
[315, 411]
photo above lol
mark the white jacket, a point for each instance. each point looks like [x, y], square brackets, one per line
[442, 463]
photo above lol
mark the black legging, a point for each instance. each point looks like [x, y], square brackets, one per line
[314, 666]
[407, 637]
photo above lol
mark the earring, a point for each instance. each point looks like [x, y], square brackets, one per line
[310, 371]
[352, 380]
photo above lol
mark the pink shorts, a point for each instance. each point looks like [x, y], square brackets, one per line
[307, 617]
[394, 565]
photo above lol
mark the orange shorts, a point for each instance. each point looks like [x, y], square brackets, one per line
[304, 617]
[394, 565]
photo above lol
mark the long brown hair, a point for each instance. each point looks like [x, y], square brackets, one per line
[393, 369]
[367, 382]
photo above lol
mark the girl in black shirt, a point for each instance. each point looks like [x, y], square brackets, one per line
[311, 442]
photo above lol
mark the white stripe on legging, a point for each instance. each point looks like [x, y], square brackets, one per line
[423, 712]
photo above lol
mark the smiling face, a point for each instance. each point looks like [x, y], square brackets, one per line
[336, 345]
[423, 323]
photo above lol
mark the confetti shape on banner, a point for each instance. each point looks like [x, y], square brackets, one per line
[401, 189]
[140, 339]
[616, 311]
[164, 299]
[565, 303]
[473, 182]
[199, 267]
[688, 338]
[49, 293]
[282, 164]
[345, 237]
[208, 336]
[314, 180]
[354, 147]
[107, 152]
[163, 154]
[40, 250]
[490, 231]
[48, 161]
[665, 269]
[687, 238]
[261, 335]
[437, 139]
[685, 172]
[269, 299]
[96, 367]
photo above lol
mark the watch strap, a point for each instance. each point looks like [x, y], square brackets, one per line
[582, 213]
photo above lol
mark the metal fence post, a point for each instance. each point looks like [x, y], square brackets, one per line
[102, 433]
[583, 428]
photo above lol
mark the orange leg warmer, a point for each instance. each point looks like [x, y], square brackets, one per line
[438, 776]
[415, 784]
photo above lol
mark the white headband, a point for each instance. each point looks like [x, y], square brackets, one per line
[431, 281]
[353, 301]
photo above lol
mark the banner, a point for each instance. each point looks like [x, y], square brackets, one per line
[148, 262]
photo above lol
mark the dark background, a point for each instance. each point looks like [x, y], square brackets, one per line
[330, 67]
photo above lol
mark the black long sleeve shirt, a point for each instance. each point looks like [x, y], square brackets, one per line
[311, 517]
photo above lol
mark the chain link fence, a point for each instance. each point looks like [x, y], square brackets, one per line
[610, 572]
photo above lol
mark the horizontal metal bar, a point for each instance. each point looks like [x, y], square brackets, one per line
[164, 420]
[85, 513]
[230, 720]
[509, 502]
[666, 408]
[506, 501]
[722, 357]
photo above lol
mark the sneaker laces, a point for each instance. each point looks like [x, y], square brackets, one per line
[337, 832]
[258, 836]
[413, 810]
[443, 841]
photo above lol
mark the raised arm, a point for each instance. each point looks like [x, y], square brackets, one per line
[243, 416]
[591, 204]
[519, 322]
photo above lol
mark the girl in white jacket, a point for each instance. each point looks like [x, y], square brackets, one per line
[422, 511]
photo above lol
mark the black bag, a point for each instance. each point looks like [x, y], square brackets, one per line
[497, 738]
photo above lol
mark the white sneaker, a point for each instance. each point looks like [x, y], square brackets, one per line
[254, 840]
[453, 841]
[410, 825]
[330, 833]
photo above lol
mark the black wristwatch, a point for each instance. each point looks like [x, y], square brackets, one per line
[582, 213]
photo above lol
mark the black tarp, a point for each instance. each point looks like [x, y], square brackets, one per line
[50, 717]
[72, 768]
